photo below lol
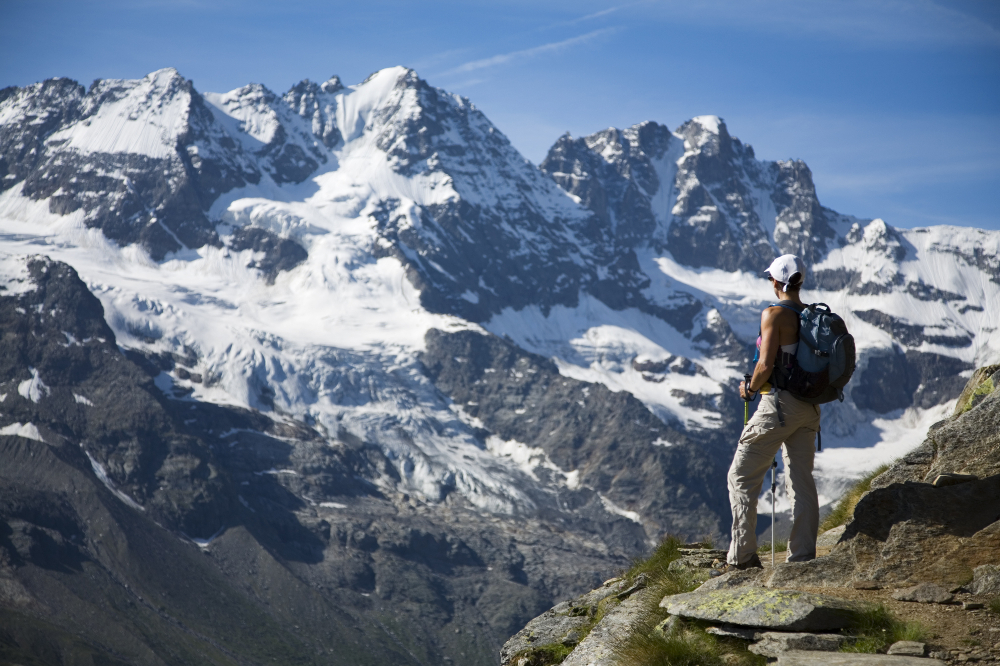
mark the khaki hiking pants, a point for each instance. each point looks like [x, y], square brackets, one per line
[762, 436]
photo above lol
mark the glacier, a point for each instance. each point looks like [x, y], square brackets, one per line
[630, 257]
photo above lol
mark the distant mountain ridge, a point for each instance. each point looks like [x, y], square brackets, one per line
[409, 318]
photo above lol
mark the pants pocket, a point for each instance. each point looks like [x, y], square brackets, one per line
[751, 433]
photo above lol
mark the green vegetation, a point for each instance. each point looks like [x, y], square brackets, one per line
[844, 510]
[994, 605]
[655, 566]
[875, 628]
[542, 655]
[973, 396]
[689, 645]
[981, 391]
[765, 548]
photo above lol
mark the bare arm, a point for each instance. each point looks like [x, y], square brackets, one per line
[768, 350]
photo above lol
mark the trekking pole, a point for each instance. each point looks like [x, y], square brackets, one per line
[746, 401]
[774, 487]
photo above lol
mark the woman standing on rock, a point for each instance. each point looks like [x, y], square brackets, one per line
[780, 420]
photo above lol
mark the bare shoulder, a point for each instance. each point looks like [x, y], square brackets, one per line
[777, 315]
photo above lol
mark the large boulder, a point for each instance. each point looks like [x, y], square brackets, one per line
[986, 579]
[784, 610]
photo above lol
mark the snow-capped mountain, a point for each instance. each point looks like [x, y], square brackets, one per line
[425, 319]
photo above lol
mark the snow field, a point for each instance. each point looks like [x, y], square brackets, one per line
[334, 342]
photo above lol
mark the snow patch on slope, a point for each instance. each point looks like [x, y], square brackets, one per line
[594, 343]
[102, 474]
[33, 389]
[26, 430]
[146, 120]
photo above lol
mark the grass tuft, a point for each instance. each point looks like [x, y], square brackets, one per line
[691, 645]
[765, 548]
[969, 399]
[844, 510]
[655, 566]
[875, 628]
[994, 605]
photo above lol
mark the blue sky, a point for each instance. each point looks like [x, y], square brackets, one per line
[894, 104]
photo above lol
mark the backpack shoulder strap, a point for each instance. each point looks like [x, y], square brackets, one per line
[787, 305]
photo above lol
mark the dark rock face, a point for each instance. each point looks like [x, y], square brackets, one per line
[512, 239]
[125, 426]
[280, 254]
[618, 190]
[466, 261]
[312, 101]
[678, 485]
[106, 479]
[908, 334]
[698, 185]
[44, 108]
[716, 223]
[900, 379]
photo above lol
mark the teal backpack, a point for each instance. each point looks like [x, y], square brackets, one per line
[824, 361]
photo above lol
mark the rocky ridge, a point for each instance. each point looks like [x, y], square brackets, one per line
[933, 553]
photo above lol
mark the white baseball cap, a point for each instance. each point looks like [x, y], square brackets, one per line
[784, 267]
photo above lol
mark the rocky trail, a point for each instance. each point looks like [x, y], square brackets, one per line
[920, 558]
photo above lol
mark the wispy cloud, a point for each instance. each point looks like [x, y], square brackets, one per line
[436, 59]
[525, 54]
[603, 12]
[869, 22]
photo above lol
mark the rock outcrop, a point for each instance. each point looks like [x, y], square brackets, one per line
[908, 528]
[912, 531]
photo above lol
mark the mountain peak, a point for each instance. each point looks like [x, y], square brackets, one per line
[331, 85]
[712, 124]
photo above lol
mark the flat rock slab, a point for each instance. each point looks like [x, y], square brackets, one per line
[803, 658]
[925, 593]
[908, 648]
[773, 643]
[788, 610]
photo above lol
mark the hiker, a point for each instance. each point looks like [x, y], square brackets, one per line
[781, 419]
